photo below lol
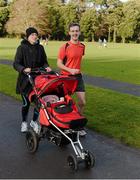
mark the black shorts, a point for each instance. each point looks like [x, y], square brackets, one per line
[80, 85]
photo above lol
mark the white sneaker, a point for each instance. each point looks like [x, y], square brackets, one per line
[24, 127]
[82, 133]
[36, 127]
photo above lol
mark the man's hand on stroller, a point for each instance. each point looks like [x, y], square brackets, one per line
[74, 71]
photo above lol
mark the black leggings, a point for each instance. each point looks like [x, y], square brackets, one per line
[25, 109]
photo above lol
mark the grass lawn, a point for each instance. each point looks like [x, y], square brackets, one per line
[117, 61]
[114, 114]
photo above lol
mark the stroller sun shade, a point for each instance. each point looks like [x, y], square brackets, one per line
[46, 84]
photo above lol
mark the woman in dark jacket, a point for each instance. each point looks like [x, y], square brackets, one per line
[30, 54]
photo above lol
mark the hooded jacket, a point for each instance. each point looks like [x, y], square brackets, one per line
[28, 56]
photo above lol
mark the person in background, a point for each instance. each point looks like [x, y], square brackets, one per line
[100, 42]
[104, 43]
[30, 54]
[44, 40]
[69, 61]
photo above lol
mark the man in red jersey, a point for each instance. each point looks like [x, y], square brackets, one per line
[69, 61]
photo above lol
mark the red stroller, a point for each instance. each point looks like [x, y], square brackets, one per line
[59, 118]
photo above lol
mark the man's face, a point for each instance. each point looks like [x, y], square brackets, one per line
[74, 33]
[33, 38]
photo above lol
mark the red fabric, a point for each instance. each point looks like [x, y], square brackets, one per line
[65, 118]
[74, 53]
[60, 120]
[43, 119]
[48, 83]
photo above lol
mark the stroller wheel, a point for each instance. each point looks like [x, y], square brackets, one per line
[32, 141]
[89, 160]
[72, 162]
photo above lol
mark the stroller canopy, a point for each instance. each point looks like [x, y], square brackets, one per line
[47, 84]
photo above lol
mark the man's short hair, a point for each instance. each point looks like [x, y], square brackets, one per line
[73, 24]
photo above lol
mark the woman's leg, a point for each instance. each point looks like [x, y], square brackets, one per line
[35, 114]
[34, 124]
[24, 112]
[25, 107]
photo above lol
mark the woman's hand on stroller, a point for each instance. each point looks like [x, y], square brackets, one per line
[27, 70]
[48, 69]
[40, 70]
[51, 72]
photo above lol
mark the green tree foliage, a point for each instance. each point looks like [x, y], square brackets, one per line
[114, 17]
[51, 15]
[4, 13]
[130, 24]
[55, 26]
[69, 14]
[3, 3]
[105, 4]
[109, 18]
[88, 24]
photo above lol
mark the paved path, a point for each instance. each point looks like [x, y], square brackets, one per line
[104, 83]
[113, 85]
[113, 160]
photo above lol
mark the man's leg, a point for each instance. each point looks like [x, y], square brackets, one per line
[80, 93]
[81, 104]
[81, 101]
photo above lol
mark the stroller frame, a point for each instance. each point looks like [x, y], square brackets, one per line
[81, 155]
[77, 146]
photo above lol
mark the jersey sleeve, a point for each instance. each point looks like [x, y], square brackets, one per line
[84, 51]
[83, 48]
[62, 53]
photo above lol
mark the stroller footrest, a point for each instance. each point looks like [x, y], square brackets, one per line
[79, 123]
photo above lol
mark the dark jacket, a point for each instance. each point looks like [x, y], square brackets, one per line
[28, 56]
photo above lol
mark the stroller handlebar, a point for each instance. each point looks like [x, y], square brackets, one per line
[39, 71]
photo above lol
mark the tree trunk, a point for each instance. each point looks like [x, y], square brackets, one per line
[123, 39]
[109, 31]
[93, 37]
[114, 35]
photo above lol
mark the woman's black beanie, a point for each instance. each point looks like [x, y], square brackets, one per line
[30, 30]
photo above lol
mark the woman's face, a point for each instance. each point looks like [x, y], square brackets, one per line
[33, 38]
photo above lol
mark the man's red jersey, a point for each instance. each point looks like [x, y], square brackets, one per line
[71, 55]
